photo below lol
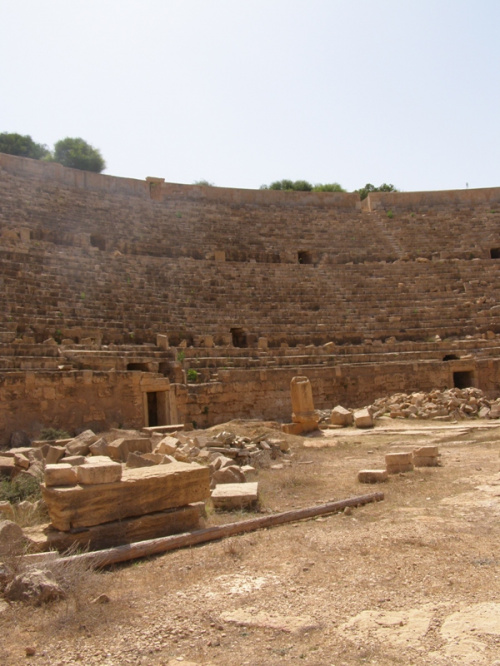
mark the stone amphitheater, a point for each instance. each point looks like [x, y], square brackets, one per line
[131, 303]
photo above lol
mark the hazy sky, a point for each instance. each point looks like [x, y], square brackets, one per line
[244, 92]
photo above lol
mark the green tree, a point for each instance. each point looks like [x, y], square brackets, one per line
[78, 154]
[289, 186]
[23, 146]
[365, 191]
[328, 187]
[203, 183]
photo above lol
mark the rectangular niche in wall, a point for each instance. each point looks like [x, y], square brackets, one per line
[304, 257]
[463, 379]
[157, 408]
[239, 337]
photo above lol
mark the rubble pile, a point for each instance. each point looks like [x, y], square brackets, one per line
[86, 476]
[448, 405]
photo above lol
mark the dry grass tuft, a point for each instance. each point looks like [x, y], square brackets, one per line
[233, 548]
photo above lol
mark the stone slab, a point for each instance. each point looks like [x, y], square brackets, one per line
[363, 419]
[427, 451]
[372, 475]
[341, 416]
[121, 532]
[425, 461]
[120, 448]
[140, 491]
[96, 473]
[399, 469]
[399, 458]
[61, 474]
[235, 495]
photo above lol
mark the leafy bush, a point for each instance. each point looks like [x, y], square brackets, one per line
[365, 191]
[22, 487]
[23, 146]
[192, 375]
[48, 434]
[78, 154]
[328, 187]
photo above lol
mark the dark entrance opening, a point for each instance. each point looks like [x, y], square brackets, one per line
[152, 409]
[450, 357]
[304, 257]
[239, 337]
[138, 366]
[495, 253]
[463, 379]
[98, 241]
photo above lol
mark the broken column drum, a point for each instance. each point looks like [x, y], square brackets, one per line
[302, 402]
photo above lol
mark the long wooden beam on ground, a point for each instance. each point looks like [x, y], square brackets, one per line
[133, 551]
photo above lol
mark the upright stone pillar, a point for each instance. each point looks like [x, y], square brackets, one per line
[304, 418]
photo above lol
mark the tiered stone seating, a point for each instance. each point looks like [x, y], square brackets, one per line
[99, 266]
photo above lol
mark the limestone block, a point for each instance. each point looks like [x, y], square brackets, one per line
[20, 460]
[341, 416]
[75, 460]
[235, 495]
[6, 511]
[399, 462]
[232, 474]
[426, 461]
[363, 419]
[120, 448]
[262, 343]
[54, 454]
[250, 473]
[136, 460]
[399, 469]
[60, 475]
[79, 445]
[99, 448]
[167, 445]
[399, 458]
[426, 451]
[12, 539]
[162, 341]
[372, 475]
[140, 491]
[302, 402]
[156, 458]
[299, 428]
[7, 466]
[96, 460]
[95, 473]
[129, 530]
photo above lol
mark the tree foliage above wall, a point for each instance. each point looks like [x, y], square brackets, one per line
[22, 146]
[78, 154]
[368, 188]
[302, 186]
[71, 152]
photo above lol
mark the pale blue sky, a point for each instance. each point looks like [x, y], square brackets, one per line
[244, 92]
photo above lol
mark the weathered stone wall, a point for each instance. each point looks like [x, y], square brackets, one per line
[266, 394]
[69, 400]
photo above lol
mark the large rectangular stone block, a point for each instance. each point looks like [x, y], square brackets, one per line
[98, 473]
[120, 448]
[140, 491]
[120, 532]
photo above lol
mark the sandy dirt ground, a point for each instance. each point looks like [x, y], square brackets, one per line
[413, 579]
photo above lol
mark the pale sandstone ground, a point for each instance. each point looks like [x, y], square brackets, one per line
[410, 580]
